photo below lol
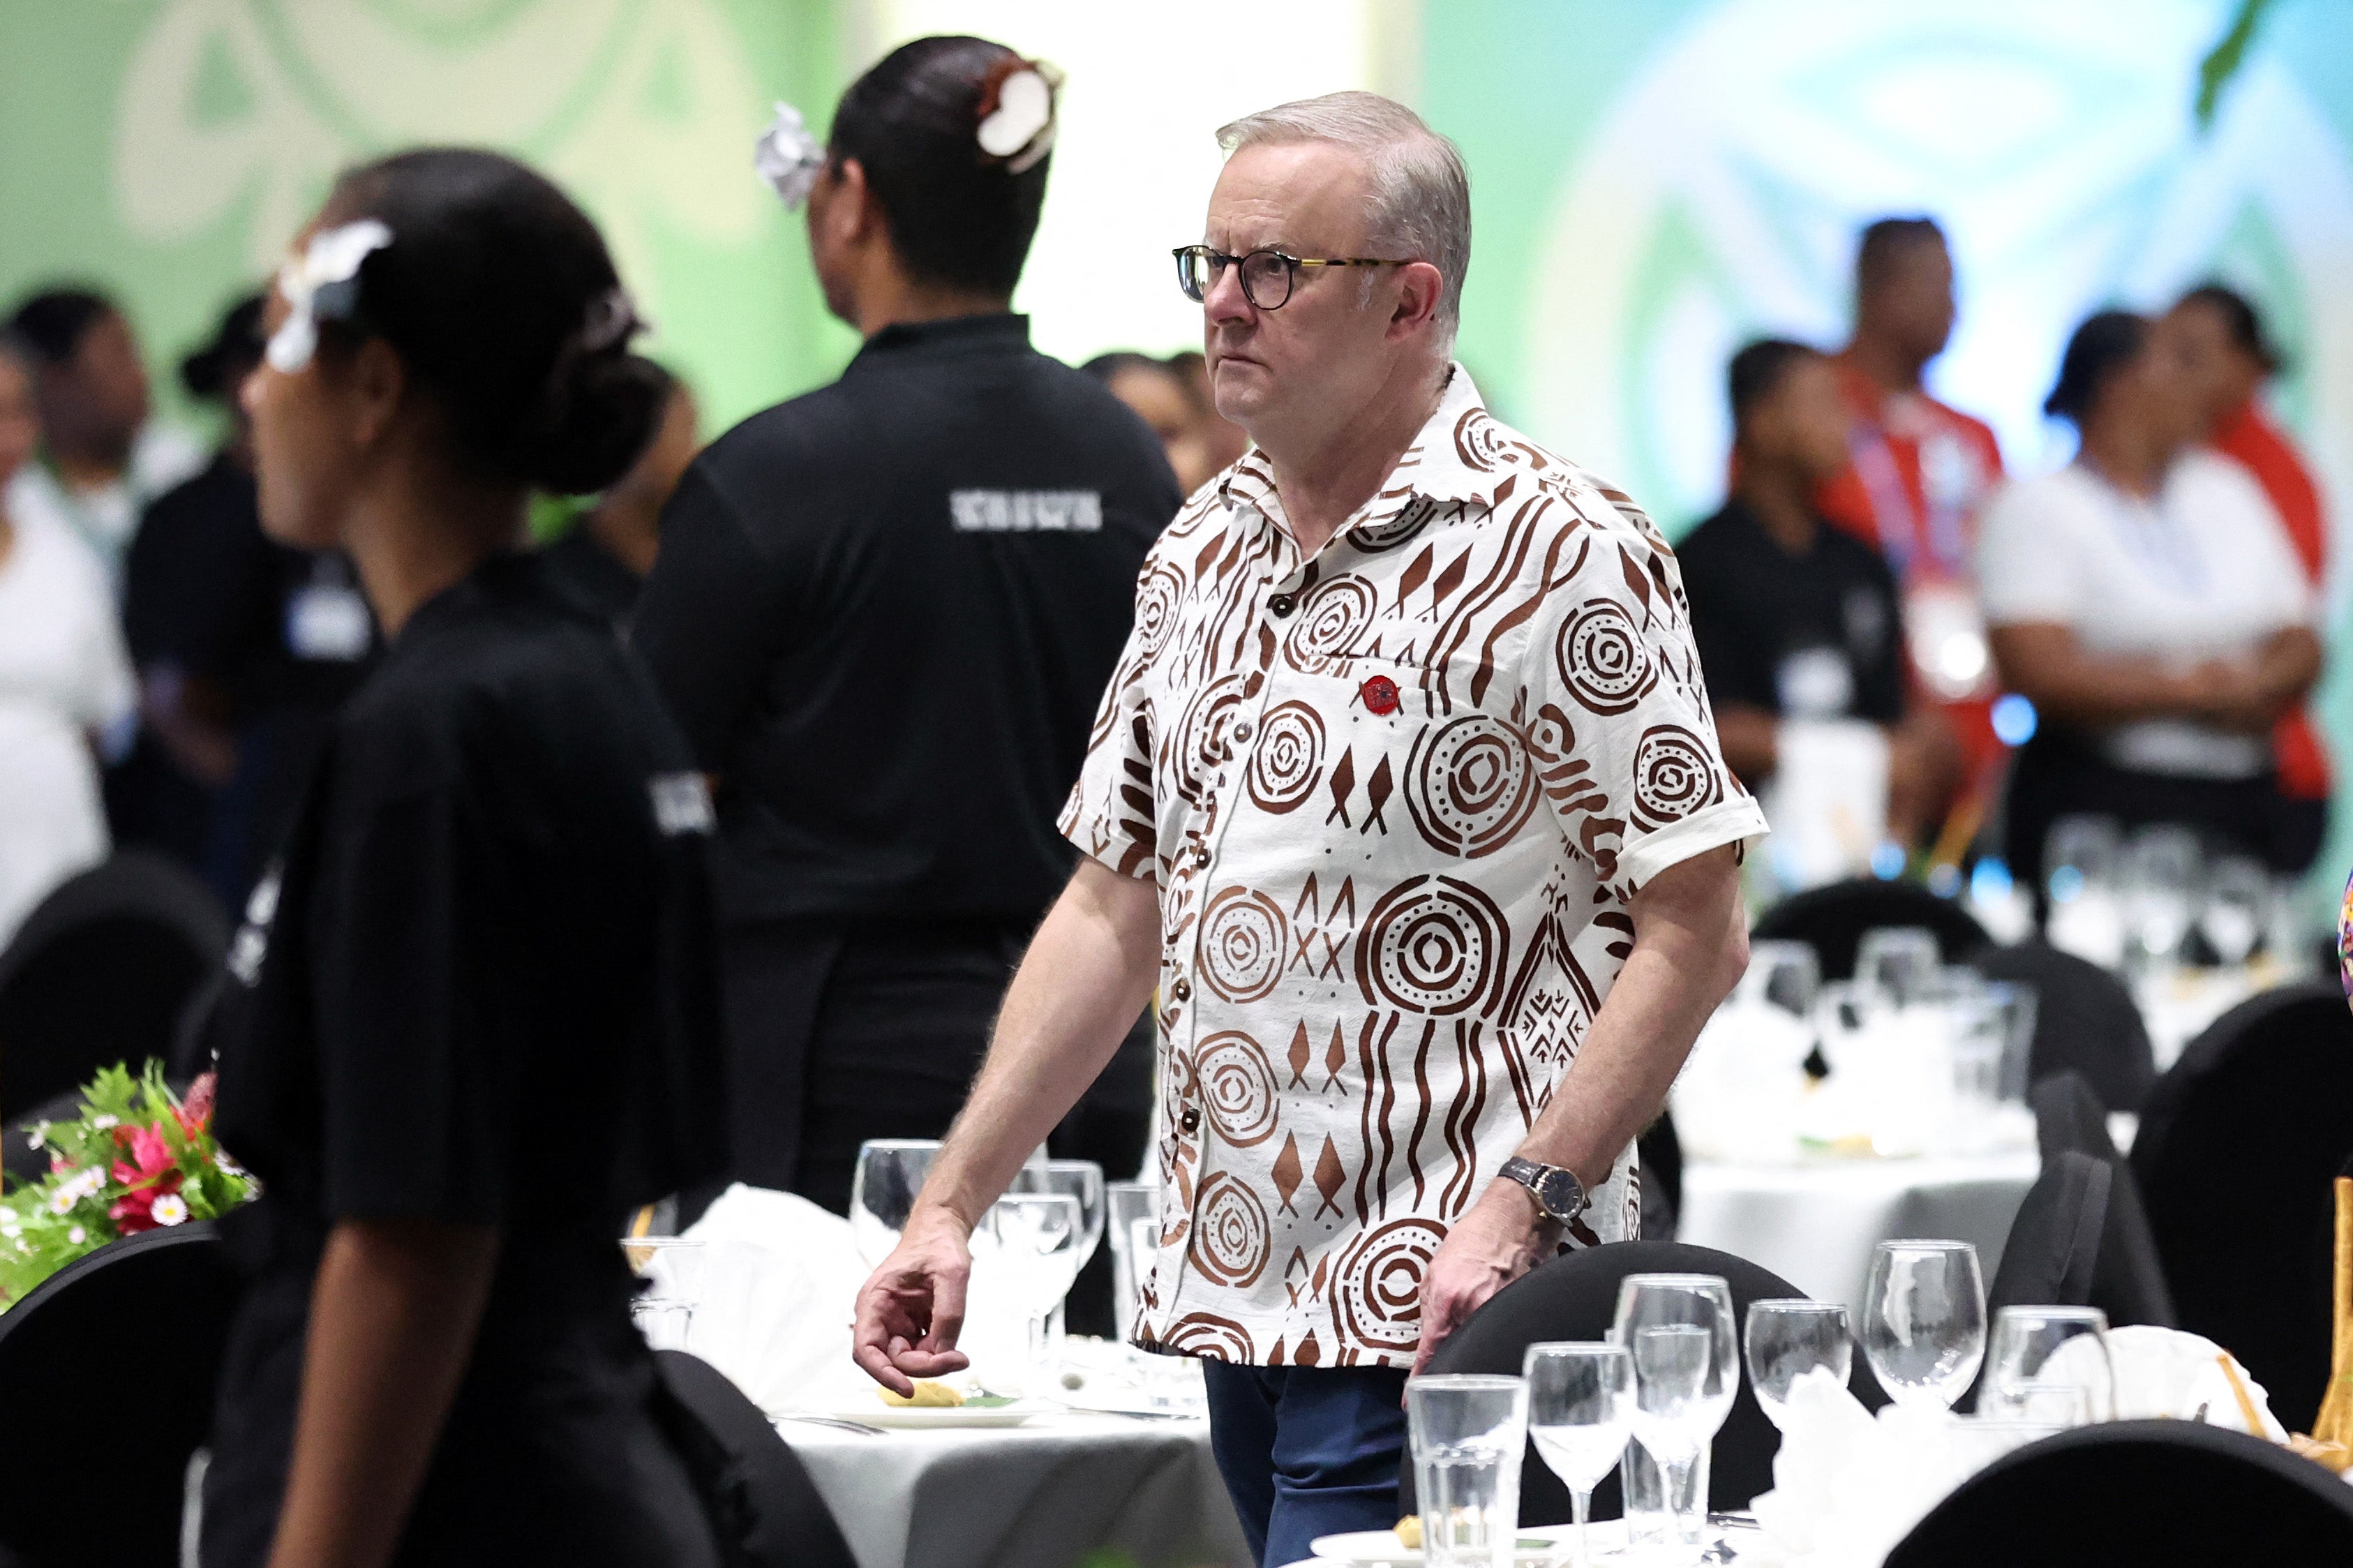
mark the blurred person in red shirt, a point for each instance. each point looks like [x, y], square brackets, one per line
[1919, 472]
[2223, 349]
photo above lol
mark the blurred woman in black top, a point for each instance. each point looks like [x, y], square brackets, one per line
[482, 1025]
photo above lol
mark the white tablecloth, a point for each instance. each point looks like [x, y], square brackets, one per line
[1815, 1225]
[1041, 1495]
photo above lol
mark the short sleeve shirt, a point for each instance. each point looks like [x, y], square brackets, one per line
[1396, 799]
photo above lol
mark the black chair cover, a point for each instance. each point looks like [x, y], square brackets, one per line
[2054, 1243]
[764, 1505]
[2148, 1493]
[2128, 1280]
[2085, 1021]
[99, 973]
[1659, 1157]
[1833, 919]
[1575, 1296]
[106, 1372]
[2238, 1147]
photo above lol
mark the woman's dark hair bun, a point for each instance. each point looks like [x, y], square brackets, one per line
[501, 301]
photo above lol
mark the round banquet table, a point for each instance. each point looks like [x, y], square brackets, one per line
[1815, 1224]
[1041, 1495]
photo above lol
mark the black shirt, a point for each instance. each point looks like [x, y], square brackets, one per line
[487, 995]
[884, 613]
[593, 573]
[1813, 635]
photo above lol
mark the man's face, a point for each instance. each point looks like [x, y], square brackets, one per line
[1324, 348]
[95, 402]
[2221, 374]
[1912, 301]
[1803, 420]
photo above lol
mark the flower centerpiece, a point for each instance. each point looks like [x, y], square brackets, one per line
[138, 1158]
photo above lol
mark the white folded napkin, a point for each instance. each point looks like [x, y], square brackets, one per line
[2170, 1373]
[779, 1288]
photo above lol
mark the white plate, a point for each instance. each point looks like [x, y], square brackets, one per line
[1382, 1549]
[878, 1414]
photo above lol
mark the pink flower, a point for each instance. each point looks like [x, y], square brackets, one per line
[148, 1175]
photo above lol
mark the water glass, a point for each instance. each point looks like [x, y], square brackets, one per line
[1126, 1205]
[2048, 1362]
[1787, 975]
[2080, 867]
[1467, 1435]
[2162, 879]
[2237, 904]
[882, 1190]
[2013, 1003]
[1030, 1241]
[1681, 1334]
[1580, 1409]
[1786, 1340]
[1924, 1319]
[672, 1268]
[1898, 965]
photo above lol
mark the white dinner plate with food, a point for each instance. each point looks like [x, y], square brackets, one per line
[983, 1412]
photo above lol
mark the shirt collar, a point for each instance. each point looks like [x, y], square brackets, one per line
[953, 334]
[1445, 463]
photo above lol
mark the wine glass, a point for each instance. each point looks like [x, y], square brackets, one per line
[1924, 1319]
[2080, 859]
[672, 1267]
[2237, 902]
[1580, 1410]
[2161, 878]
[1126, 1203]
[2041, 1356]
[1035, 1237]
[1679, 1330]
[1786, 1340]
[1784, 973]
[1084, 1180]
[882, 1189]
[1898, 965]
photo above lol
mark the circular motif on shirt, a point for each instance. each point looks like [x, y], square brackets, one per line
[1602, 658]
[1236, 1084]
[1205, 740]
[1431, 945]
[1409, 520]
[1289, 761]
[1329, 620]
[1470, 784]
[1377, 1290]
[1156, 600]
[1481, 443]
[1242, 937]
[1207, 1334]
[1673, 776]
[1230, 1243]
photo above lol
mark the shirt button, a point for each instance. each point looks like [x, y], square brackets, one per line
[1283, 603]
[1182, 990]
[1241, 732]
[1191, 1120]
[1201, 856]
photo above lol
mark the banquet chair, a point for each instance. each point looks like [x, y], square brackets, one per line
[2127, 1278]
[1575, 1296]
[2085, 1021]
[1659, 1155]
[2143, 1492]
[2054, 1248]
[2237, 1149]
[100, 972]
[107, 1370]
[1833, 918]
[759, 1496]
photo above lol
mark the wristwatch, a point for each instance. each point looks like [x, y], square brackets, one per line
[1558, 1193]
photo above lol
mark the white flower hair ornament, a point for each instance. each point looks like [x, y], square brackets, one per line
[788, 157]
[1017, 122]
[322, 283]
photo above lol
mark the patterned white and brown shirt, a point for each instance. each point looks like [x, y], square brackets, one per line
[1396, 798]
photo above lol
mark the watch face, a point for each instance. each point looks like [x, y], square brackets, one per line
[1561, 1195]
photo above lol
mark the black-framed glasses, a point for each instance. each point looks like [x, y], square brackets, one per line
[1267, 276]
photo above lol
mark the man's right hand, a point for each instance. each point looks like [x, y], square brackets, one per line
[911, 1310]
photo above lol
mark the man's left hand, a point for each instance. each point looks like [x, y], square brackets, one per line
[1499, 1240]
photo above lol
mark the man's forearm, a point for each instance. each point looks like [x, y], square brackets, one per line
[1087, 975]
[1690, 944]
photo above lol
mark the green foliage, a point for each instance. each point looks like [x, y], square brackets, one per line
[2223, 60]
[135, 1158]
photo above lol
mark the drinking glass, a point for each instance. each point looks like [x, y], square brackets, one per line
[1084, 1180]
[2041, 1357]
[1467, 1435]
[672, 1267]
[1785, 974]
[1842, 1011]
[2080, 860]
[1580, 1409]
[1680, 1331]
[2013, 1002]
[1035, 1237]
[2161, 878]
[1125, 1203]
[882, 1189]
[1898, 965]
[2237, 902]
[1924, 1319]
[1786, 1340]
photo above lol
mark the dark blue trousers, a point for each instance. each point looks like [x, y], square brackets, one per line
[1307, 1451]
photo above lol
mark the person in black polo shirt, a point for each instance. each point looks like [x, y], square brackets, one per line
[882, 613]
[1794, 618]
